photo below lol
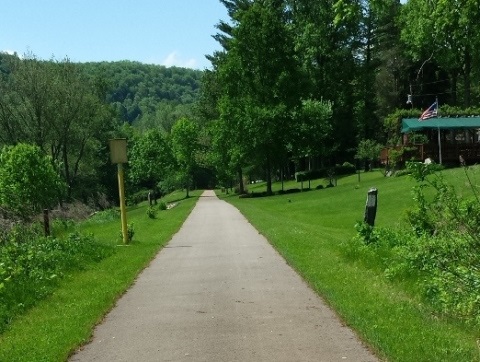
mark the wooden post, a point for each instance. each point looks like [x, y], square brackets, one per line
[123, 211]
[46, 222]
[371, 207]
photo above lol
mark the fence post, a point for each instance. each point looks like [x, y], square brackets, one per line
[371, 206]
[46, 222]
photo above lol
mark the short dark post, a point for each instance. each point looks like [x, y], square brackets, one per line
[46, 222]
[357, 168]
[371, 206]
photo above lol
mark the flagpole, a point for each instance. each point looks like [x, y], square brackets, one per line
[438, 132]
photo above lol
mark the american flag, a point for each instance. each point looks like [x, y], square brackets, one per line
[430, 112]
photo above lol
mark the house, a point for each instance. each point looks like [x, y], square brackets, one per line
[448, 138]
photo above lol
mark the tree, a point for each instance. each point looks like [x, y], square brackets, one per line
[313, 127]
[56, 107]
[444, 32]
[185, 145]
[262, 84]
[380, 59]
[327, 45]
[368, 150]
[150, 159]
[28, 181]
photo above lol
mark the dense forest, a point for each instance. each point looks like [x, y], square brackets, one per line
[296, 85]
[147, 96]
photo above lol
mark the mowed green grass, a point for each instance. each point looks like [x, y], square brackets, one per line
[54, 328]
[309, 228]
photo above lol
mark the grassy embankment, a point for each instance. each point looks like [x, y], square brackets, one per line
[310, 230]
[56, 326]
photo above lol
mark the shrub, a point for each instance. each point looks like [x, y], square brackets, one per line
[162, 205]
[137, 197]
[291, 191]
[31, 266]
[151, 212]
[401, 173]
[365, 233]
[440, 250]
[130, 232]
[345, 169]
[339, 170]
[169, 184]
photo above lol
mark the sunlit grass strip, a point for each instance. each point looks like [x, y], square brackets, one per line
[308, 230]
[56, 326]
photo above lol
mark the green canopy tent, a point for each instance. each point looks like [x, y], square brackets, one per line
[439, 123]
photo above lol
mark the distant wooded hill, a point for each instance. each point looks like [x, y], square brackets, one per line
[147, 95]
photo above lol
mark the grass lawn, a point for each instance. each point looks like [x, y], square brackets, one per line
[56, 326]
[309, 228]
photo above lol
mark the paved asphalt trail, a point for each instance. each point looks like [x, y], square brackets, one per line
[219, 292]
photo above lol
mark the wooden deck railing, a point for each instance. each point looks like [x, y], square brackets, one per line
[450, 152]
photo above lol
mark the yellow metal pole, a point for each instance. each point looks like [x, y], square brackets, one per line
[123, 213]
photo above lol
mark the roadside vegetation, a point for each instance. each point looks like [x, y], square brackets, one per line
[411, 295]
[60, 287]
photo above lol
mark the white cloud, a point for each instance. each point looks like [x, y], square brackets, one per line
[7, 51]
[174, 59]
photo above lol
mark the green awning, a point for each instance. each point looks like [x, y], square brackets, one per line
[413, 124]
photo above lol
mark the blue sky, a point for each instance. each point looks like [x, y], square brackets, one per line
[167, 32]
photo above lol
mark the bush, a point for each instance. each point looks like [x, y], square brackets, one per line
[169, 184]
[31, 266]
[130, 232]
[345, 169]
[338, 170]
[347, 164]
[291, 191]
[162, 205]
[152, 212]
[439, 252]
[137, 197]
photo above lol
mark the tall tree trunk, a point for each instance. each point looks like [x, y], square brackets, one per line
[66, 168]
[369, 88]
[269, 177]
[454, 78]
[240, 181]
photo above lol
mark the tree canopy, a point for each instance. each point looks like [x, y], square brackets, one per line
[28, 180]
